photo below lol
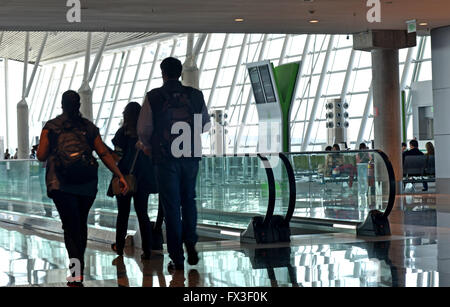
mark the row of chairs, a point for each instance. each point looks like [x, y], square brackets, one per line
[418, 169]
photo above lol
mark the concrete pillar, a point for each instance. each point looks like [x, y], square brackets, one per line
[85, 93]
[440, 52]
[384, 45]
[386, 106]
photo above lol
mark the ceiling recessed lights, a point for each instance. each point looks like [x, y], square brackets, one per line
[423, 24]
[239, 19]
[314, 21]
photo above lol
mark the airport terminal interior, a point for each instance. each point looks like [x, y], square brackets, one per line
[282, 81]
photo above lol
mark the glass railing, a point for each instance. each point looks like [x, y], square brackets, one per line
[341, 186]
[23, 191]
[231, 190]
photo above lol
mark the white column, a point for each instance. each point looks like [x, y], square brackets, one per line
[205, 52]
[57, 91]
[300, 74]
[136, 75]
[85, 91]
[315, 106]
[36, 65]
[119, 70]
[236, 72]
[287, 39]
[152, 70]
[348, 74]
[415, 75]
[190, 74]
[105, 91]
[73, 75]
[44, 101]
[35, 68]
[22, 109]
[36, 89]
[174, 47]
[219, 68]
[6, 102]
[367, 108]
[94, 85]
[117, 94]
[407, 68]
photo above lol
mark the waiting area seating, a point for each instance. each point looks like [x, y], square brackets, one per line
[418, 169]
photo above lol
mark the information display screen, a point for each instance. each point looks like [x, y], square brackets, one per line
[256, 85]
[267, 84]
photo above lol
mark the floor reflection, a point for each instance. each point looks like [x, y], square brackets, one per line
[32, 260]
[416, 255]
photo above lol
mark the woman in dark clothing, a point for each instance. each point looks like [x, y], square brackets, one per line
[66, 143]
[125, 146]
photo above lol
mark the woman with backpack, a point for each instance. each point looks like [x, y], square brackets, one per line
[67, 143]
[133, 162]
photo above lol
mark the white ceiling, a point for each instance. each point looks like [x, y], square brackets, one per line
[261, 16]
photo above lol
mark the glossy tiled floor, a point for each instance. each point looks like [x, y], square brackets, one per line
[417, 254]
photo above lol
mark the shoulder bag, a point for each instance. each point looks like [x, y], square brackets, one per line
[130, 179]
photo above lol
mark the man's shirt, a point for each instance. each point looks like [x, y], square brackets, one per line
[154, 99]
[412, 152]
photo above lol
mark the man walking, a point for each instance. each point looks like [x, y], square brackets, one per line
[170, 125]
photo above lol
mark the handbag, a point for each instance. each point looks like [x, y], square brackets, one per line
[130, 179]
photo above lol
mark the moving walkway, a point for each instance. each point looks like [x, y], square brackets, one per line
[312, 192]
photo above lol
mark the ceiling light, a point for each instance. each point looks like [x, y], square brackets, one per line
[423, 24]
[313, 21]
[239, 19]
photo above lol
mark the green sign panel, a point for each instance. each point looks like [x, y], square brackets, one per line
[286, 78]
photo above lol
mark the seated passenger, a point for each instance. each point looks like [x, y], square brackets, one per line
[430, 149]
[414, 151]
[403, 147]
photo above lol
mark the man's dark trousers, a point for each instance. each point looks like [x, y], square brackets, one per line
[177, 179]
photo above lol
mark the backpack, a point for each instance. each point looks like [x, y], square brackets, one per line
[73, 155]
[176, 107]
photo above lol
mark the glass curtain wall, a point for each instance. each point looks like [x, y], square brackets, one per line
[120, 79]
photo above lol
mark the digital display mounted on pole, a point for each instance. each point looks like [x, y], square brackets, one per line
[256, 85]
[267, 84]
